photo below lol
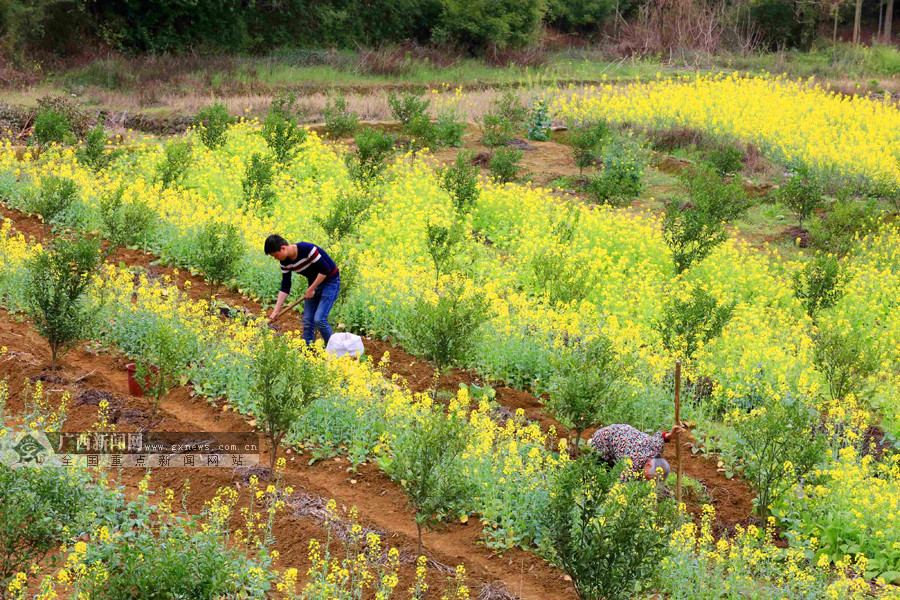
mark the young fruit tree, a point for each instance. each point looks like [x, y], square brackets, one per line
[607, 532]
[55, 290]
[219, 252]
[585, 386]
[692, 229]
[777, 447]
[689, 324]
[164, 357]
[819, 284]
[422, 459]
[282, 132]
[802, 193]
[284, 382]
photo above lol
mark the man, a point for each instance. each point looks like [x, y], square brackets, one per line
[615, 442]
[324, 283]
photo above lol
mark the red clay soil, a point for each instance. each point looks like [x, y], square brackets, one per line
[382, 505]
[733, 506]
[732, 498]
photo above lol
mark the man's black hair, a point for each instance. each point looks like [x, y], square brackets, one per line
[274, 243]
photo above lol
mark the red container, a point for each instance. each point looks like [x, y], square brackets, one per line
[134, 388]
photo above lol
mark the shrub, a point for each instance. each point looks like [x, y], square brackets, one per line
[690, 234]
[280, 129]
[726, 160]
[340, 121]
[54, 291]
[671, 138]
[585, 387]
[220, 249]
[496, 130]
[504, 164]
[819, 284]
[445, 326]
[511, 108]
[692, 229]
[212, 124]
[421, 133]
[845, 360]
[608, 535]
[555, 272]
[344, 217]
[842, 225]
[802, 193]
[59, 120]
[777, 447]
[69, 109]
[449, 128]
[37, 505]
[52, 127]
[422, 458]
[177, 159]
[552, 268]
[586, 140]
[258, 194]
[406, 108]
[724, 201]
[621, 178]
[284, 383]
[443, 243]
[165, 354]
[93, 149]
[124, 223]
[54, 198]
[461, 181]
[373, 147]
[539, 122]
[688, 324]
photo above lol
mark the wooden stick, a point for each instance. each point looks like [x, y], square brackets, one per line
[286, 309]
[678, 435]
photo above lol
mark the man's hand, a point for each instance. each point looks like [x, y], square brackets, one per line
[310, 292]
[272, 317]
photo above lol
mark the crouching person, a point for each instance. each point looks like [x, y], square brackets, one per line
[616, 442]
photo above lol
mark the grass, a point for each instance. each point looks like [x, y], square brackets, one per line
[690, 488]
[314, 69]
[168, 86]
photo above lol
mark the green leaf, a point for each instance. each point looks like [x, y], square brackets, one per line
[891, 577]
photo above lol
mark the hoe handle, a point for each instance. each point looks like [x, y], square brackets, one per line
[678, 434]
[287, 309]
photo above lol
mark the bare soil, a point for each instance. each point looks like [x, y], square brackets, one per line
[87, 377]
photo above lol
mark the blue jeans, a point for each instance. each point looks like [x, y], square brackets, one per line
[316, 309]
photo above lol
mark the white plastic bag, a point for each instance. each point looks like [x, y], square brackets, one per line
[343, 343]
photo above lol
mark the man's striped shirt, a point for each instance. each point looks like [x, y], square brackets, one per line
[310, 262]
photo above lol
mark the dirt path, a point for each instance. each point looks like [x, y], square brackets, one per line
[731, 497]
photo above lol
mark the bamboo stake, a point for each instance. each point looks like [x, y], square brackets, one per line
[678, 435]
